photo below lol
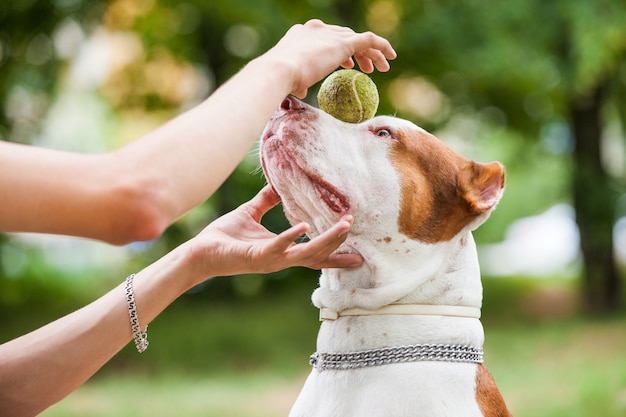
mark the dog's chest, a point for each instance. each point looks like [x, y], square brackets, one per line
[416, 389]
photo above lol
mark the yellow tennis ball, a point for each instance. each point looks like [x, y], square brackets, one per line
[348, 95]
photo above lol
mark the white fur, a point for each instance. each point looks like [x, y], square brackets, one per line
[426, 389]
[396, 269]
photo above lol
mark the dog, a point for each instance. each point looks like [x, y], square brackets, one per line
[400, 334]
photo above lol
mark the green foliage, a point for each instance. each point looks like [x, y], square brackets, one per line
[598, 38]
[28, 60]
[510, 67]
[506, 51]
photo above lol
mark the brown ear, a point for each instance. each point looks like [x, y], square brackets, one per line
[480, 185]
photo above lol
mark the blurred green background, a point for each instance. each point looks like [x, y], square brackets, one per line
[539, 86]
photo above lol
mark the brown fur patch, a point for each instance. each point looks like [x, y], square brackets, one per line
[431, 210]
[488, 396]
[441, 191]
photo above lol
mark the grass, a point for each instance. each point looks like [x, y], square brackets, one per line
[237, 395]
[250, 358]
[573, 367]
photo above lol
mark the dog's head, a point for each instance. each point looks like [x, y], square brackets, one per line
[396, 179]
[414, 202]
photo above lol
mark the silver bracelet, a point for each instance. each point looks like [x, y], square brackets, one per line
[141, 338]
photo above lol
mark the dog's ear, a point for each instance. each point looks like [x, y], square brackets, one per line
[481, 185]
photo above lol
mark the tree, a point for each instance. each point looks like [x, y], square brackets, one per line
[526, 64]
[540, 63]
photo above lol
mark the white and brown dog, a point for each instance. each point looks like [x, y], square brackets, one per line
[401, 334]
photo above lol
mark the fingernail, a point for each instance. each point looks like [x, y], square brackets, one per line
[348, 218]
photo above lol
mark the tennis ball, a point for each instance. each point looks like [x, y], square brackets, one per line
[348, 95]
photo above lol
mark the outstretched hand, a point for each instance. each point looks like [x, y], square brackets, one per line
[315, 49]
[237, 243]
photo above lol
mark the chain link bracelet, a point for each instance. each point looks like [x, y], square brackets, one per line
[141, 338]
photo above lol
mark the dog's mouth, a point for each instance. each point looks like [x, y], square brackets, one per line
[280, 157]
[331, 196]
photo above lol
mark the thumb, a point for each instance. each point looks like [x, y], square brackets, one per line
[263, 202]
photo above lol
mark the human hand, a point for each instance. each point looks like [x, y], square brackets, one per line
[313, 50]
[237, 243]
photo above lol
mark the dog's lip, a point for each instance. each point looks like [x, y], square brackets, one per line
[268, 134]
[333, 198]
[267, 178]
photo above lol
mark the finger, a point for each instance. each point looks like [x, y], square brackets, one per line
[322, 246]
[370, 58]
[262, 202]
[365, 63]
[349, 63]
[339, 260]
[379, 60]
[387, 50]
[286, 239]
[330, 239]
[370, 41]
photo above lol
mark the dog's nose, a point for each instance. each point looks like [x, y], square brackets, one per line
[291, 103]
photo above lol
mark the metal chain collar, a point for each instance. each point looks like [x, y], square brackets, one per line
[389, 355]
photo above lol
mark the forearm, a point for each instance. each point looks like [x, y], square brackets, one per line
[195, 152]
[135, 192]
[40, 368]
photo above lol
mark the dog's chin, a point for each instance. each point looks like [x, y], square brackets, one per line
[313, 201]
[317, 214]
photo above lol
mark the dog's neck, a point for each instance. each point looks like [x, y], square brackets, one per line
[442, 274]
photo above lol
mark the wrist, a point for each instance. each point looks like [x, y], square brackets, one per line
[170, 276]
[276, 71]
[201, 260]
[187, 266]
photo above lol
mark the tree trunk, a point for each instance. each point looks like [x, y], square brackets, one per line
[594, 203]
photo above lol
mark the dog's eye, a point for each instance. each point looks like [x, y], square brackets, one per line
[383, 133]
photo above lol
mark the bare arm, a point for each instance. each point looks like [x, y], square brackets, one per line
[136, 191]
[40, 368]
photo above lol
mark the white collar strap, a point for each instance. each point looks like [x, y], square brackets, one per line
[404, 310]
